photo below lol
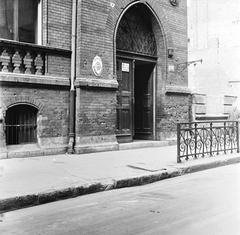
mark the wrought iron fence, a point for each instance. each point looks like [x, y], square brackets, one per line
[199, 139]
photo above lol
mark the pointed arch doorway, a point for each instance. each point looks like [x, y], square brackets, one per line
[136, 58]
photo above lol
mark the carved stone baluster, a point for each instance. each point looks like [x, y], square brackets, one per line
[5, 60]
[17, 61]
[28, 62]
[39, 64]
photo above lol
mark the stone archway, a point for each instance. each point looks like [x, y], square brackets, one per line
[137, 58]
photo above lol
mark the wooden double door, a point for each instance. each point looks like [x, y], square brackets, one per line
[135, 100]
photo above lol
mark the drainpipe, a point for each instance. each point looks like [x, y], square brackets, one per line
[73, 76]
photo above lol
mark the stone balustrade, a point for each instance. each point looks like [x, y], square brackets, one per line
[25, 58]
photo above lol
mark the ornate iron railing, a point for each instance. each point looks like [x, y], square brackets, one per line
[200, 139]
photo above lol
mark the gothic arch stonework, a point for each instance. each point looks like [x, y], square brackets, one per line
[121, 7]
[153, 5]
[116, 14]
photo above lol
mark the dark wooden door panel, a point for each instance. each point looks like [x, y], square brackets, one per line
[124, 125]
[126, 121]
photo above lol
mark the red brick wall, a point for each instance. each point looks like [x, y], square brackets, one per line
[96, 25]
[52, 102]
[49, 93]
[57, 22]
[97, 112]
[58, 66]
[96, 107]
[57, 27]
[97, 21]
[176, 109]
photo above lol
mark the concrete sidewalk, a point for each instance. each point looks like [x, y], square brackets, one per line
[32, 181]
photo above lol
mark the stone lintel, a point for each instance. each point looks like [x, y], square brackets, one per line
[178, 89]
[33, 79]
[96, 82]
[211, 117]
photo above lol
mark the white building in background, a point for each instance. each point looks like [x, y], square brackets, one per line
[214, 37]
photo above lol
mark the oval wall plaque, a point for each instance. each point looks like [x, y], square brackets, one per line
[97, 65]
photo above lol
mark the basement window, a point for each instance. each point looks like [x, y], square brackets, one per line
[21, 125]
[21, 20]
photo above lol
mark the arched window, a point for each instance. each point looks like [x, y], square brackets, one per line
[135, 32]
[21, 124]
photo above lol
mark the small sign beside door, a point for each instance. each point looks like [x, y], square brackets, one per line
[171, 68]
[125, 67]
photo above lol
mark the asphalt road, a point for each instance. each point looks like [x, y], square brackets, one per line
[206, 202]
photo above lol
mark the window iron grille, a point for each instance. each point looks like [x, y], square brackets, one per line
[21, 125]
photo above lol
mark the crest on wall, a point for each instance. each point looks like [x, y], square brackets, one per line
[97, 65]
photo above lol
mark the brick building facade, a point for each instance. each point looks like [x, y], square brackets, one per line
[110, 78]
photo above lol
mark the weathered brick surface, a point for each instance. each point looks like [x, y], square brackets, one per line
[52, 103]
[176, 109]
[96, 114]
[57, 21]
[50, 97]
[97, 23]
[96, 30]
[58, 66]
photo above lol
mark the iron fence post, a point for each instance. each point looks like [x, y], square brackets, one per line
[195, 139]
[203, 138]
[218, 140]
[224, 137]
[211, 136]
[232, 136]
[237, 124]
[178, 143]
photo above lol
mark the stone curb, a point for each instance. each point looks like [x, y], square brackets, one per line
[72, 192]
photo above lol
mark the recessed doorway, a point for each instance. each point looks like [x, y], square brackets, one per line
[135, 99]
[136, 59]
[144, 100]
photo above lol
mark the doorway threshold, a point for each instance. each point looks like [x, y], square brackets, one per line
[137, 144]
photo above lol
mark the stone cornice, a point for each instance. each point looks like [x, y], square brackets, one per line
[96, 82]
[33, 79]
[178, 89]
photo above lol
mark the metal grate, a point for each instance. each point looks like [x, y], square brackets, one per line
[21, 124]
[135, 34]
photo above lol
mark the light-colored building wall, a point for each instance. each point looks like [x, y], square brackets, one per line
[214, 37]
